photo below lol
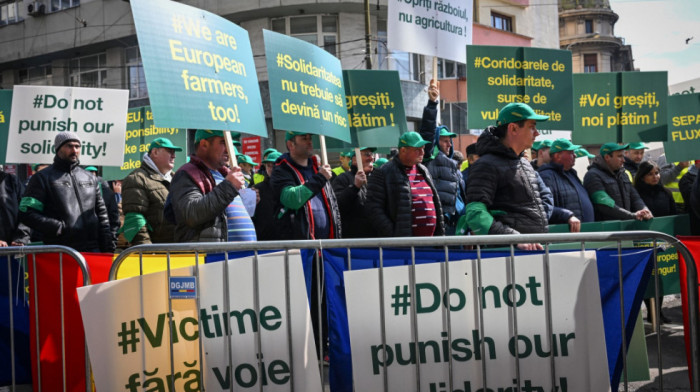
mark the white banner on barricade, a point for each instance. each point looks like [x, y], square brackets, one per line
[129, 333]
[577, 337]
[97, 116]
[441, 28]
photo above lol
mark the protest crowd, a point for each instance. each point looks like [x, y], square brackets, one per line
[419, 190]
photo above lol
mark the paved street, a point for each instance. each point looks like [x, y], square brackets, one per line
[673, 360]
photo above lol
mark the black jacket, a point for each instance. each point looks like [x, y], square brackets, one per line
[567, 190]
[69, 200]
[266, 227]
[618, 186]
[389, 203]
[351, 203]
[658, 199]
[298, 224]
[508, 186]
[199, 204]
[11, 190]
[446, 175]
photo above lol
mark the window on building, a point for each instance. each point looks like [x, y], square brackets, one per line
[89, 71]
[448, 69]
[409, 65]
[36, 76]
[137, 79]
[501, 22]
[320, 30]
[57, 5]
[589, 26]
[8, 13]
[590, 62]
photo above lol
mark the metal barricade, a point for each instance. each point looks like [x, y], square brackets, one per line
[478, 243]
[15, 254]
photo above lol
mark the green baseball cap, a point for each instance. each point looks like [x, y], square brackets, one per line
[91, 169]
[609, 148]
[290, 135]
[411, 139]
[352, 153]
[379, 162]
[246, 159]
[269, 151]
[517, 112]
[446, 132]
[560, 145]
[347, 154]
[272, 158]
[638, 146]
[206, 134]
[162, 142]
[582, 152]
[547, 143]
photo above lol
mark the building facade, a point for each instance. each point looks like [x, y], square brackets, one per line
[587, 28]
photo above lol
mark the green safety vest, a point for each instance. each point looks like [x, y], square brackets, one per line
[338, 170]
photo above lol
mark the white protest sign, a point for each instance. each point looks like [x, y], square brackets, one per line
[577, 336]
[97, 116]
[441, 28]
[128, 330]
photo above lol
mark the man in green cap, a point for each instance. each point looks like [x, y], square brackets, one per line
[444, 170]
[144, 192]
[204, 195]
[402, 200]
[612, 193]
[344, 163]
[504, 193]
[306, 201]
[350, 190]
[266, 226]
[567, 190]
[263, 173]
[542, 156]
[633, 157]
[246, 163]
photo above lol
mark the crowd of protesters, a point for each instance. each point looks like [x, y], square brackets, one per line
[422, 189]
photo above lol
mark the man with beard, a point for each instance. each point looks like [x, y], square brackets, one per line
[612, 193]
[204, 195]
[307, 207]
[64, 202]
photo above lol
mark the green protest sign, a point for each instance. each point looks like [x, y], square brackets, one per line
[140, 132]
[620, 107]
[306, 87]
[5, 110]
[375, 109]
[199, 68]
[499, 75]
[683, 142]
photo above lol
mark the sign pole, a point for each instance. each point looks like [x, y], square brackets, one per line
[358, 159]
[232, 160]
[324, 153]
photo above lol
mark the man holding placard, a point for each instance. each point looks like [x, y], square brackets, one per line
[204, 195]
[307, 207]
[64, 202]
[448, 179]
[351, 190]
